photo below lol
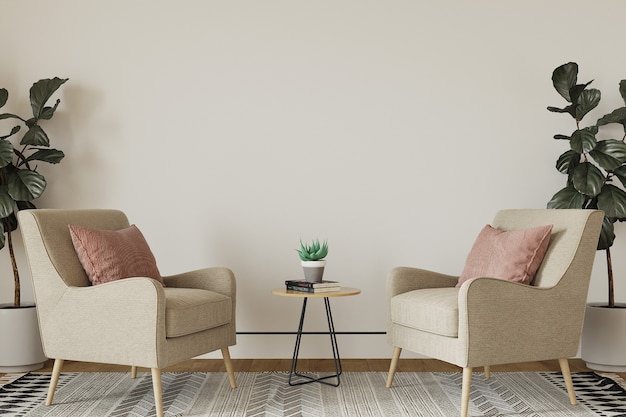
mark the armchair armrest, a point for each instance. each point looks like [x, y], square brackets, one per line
[123, 314]
[540, 323]
[217, 279]
[403, 279]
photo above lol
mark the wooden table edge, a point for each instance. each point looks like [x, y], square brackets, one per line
[343, 292]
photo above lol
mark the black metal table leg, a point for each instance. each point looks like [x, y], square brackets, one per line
[333, 341]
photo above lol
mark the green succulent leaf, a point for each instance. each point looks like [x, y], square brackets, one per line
[587, 179]
[35, 137]
[40, 93]
[52, 156]
[4, 96]
[612, 200]
[564, 78]
[313, 252]
[583, 141]
[609, 153]
[587, 101]
[568, 161]
[567, 198]
[26, 185]
[6, 153]
[607, 234]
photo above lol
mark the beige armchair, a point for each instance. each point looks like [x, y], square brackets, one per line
[132, 321]
[491, 321]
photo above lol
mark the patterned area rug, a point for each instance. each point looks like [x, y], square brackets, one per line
[268, 394]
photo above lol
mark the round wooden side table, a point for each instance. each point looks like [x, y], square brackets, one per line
[343, 292]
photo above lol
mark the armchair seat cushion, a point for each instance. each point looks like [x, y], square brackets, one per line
[434, 310]
[190, 310]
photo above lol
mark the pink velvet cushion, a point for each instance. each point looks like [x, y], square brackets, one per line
[513, 255]
[109, 255]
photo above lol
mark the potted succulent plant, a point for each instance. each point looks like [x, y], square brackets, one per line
[596, 177]
[312, 259]
[20, 184]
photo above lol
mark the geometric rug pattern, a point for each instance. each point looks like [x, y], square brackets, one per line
[103, 394]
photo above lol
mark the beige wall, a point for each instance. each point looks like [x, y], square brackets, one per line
[228, 130]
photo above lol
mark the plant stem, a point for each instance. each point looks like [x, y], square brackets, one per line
[16, 274]
[609, 267]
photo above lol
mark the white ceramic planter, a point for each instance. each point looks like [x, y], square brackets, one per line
[603, 345]
[313, 270]
[20, 349]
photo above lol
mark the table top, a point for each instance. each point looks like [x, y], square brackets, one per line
[343, 292]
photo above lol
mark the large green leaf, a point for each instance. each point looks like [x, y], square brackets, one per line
[9, 116]
[41, 91]
[587, 101]
[609, 154]
[568, 161]
[583, 141]
[6, 153]
[588, 179]
[567, 198]
[7, 204]
[622, 90]
[620, 173]
[564, 78]
[35, 137]
[616, 116]
[4, 96]
[25, 205]
[14, 130]
[48, 112]
[612, 200]
[52, 156]
[575, 91]
[2, 238]
[26, 185]
[607, 234]
[571, 109]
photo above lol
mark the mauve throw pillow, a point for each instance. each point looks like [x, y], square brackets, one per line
[513, 255]
[109, 255]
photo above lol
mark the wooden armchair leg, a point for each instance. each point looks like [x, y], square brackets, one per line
[54, 379]
[567, 377]
[229, 367]
[394, 364]
[158, 391]
[133, 372]
[487, 372]
[465, 392]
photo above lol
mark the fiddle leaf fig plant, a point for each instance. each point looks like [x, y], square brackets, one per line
[20, 181]
[595, 168]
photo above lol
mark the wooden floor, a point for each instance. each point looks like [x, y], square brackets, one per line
[320, 365]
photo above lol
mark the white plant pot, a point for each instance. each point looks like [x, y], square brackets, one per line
[21, 349]
[603, 345]
[313, 270]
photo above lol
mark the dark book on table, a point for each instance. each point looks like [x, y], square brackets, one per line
[312, 290]
[307, 284]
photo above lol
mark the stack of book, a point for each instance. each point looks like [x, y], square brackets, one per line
[306, 286]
